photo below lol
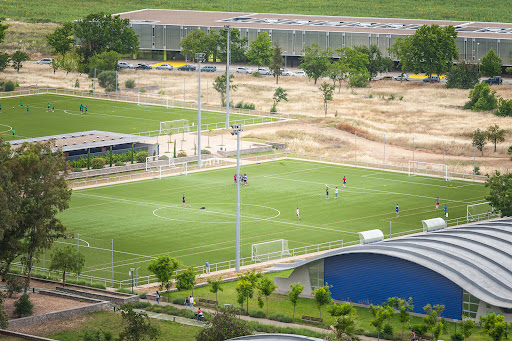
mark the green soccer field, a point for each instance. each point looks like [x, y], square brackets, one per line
[146, 218]
[103, 115]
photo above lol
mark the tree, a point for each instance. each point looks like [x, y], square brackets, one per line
[342, 309]
[379, 316]
[4, 60]
[495, 135]
[100, 32]
[4, 319]
[225, 325]
[321, 296]
[431, 49]
[463, 76]
[186, 280]
[107, 80]
[376, 62]
[491, 64]
[403, 307]
[236, 46]
[104, 61]
[315, 62]
[467, 326]
[68, 62]
[279, 95]
[433, 319]
[495, 326]
[245, 290]
[345, 328]
[500, 194]
[23, 306]
[67, 259]
[17, 59]
[479, 138]
[61, 40]
[353, 65]
[215, 287]
[138, 326]
[259, 52]
[195, 42]
[3, 28]
[276, 63]
[163, 268]
[504, 107]
[481, 98]
[220, 86]
[293, 295]
[327, 91]
[266, 287]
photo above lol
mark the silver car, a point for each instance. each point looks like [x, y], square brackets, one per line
[45, 61]
[403, 77]
[243, 70]
[264, 71]
[168, 67]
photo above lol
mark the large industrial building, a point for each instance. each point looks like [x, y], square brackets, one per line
[467, 269]
[161, 31]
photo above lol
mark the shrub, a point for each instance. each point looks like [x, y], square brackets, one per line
[77, 83]
[387, 331]
[182, 154]
[273, 108]
[239, 104]
[249, 106]
[14, 285]
[98, 163]
[463, 76]
[204, 151]
[420, 328]
[224, 325]
[119, 163]
[481, 98]
[130, 84]
[141, 156]
[370, 96]
[107, 80]
[457, 337]
[124, 291]
[23, 306]
[401, 98]
[97, 336]
[257, 313]
[142, 90]
[163, 157]
[77, 169]
[504, 107]
[281, 318]
[178, 300]
[9, 86]
[256, 74]
[391, 97]
[358, 81]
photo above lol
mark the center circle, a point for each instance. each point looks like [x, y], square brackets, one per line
[196, 209]
[5, 125]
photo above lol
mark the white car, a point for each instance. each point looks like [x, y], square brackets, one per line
[403, 77]
[45, 61]
[124, 65]
[300, 74]
[264, 71]
[285, 72]
[168, 67]
[243, 70]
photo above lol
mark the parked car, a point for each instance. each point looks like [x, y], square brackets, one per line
[432, 79]
[403, 77]
[187, 67]
[143, 66]
[264, 71]
[242, 69]
[168, 67]
[285, 72]
[387, 78]
[209, 68]
[494, 80]
[124, 65]
[45, 61]
[300, 74]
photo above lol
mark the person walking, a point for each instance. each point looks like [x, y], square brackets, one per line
[191, 301]
[207, 266]
[187, 302]
[397, 210]
[157, 297]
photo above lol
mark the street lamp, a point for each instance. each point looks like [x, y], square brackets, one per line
[199, 58]
[228, 53]
[237, 129]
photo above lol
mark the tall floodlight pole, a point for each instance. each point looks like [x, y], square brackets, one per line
[237, 129]
[199, 58]
[228, 53]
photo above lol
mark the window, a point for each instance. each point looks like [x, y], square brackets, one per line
[316, 274]
[469, 304]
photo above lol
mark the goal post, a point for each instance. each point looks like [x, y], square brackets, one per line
[480, 211]
[273, 249]
[428, 169]
[158, 172]
[165, 160]
[174, 127]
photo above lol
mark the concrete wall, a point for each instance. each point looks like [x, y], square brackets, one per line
[261, 149]
[485, 308]
[101, 296]
[24, 336]
[299, 275]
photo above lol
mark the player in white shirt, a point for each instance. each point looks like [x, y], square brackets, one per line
[298, 214]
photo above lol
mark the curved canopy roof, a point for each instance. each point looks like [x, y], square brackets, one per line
[477, 257]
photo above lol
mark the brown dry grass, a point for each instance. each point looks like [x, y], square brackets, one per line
[27, 37]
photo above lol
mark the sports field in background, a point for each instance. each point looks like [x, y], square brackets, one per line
[146, 218]
[103, 115]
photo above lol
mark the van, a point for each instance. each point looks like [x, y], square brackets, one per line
[209, 68]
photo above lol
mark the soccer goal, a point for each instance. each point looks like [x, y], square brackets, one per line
[159, 161]
[174, 127]
[274, 249]
[428, 169]
[164, 170]
[152, 99]
[480, 211]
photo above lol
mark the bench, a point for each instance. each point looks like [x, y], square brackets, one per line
[203, 301]
[311, 319]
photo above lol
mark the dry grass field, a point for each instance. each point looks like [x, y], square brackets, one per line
[428, 113]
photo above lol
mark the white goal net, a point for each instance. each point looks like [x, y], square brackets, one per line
[480, 211]
[428, 169]
[174, 127]
[274, 249]
[144, 98]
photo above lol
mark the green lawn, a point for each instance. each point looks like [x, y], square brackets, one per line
[103, 115]
[473, 10]
[146, 218]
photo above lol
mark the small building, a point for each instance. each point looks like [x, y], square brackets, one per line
[77, 145]
[468, 269]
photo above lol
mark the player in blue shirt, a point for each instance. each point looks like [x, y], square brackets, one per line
[397, 209]
[446, 210]
[327, 192]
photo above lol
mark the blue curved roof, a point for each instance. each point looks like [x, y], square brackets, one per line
[477, 257]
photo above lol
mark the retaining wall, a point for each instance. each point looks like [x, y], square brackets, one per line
[107, 296]
[24, 336]
[226, 153]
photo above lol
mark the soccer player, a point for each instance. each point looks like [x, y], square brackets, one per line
[344, 181]
[21, 104]
[327, 192]
[0, 108]
[48, 108]
[184, 201]
[27, 109]
[397, 209]
[437, 203]
[53, 108]
[245, 179]
[13, 132]
[446, 210]
[298, 214]
[336, 193]
[234, 177]
[81, 108]
[85, 109]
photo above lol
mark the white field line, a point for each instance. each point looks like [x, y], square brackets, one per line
[417, 183]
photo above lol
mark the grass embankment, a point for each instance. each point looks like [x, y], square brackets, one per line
[474, 10]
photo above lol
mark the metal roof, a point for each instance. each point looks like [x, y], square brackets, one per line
[477, 257]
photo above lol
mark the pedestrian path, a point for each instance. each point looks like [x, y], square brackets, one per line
[178, 319]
